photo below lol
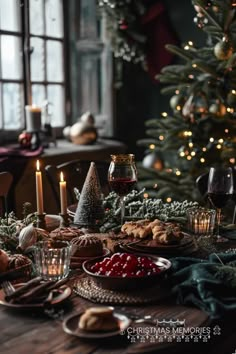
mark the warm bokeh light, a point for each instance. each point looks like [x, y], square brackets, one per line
[37, 165]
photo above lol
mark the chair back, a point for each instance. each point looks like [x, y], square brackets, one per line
[6, 180]
[75, 173]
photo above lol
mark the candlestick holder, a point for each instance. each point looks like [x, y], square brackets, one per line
[65, 220]
[201, 221]
[41, 223]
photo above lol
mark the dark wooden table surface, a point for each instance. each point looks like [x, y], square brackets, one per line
[28, 331]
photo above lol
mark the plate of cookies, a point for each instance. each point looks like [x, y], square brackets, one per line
[96, 322]
[158, 237]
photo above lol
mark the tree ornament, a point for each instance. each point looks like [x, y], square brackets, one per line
[153, 160]
[24, 140]
[223, 49]
[177, 102]
[90, 210]
[218, 109]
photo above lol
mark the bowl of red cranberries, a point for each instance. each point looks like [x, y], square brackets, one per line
[126, 271]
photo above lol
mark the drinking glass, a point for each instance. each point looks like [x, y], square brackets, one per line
[220, 189]
[122, 177]
[52, 259]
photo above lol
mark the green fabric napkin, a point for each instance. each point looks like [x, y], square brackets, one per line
[201, 283]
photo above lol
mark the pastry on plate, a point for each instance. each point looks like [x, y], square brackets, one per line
[98, 319]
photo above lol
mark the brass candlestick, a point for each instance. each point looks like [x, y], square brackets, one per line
[41, 223]
[65, 220]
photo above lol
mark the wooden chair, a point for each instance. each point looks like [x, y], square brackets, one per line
[6, 180]
[75, 173]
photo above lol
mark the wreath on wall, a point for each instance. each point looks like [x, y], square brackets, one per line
[138, 31]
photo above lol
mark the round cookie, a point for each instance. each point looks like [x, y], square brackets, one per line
[87, 246]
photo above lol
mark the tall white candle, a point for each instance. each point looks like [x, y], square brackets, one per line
[63, 195]
[33, 118]
[39, 189]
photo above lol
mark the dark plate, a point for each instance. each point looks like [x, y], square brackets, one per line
[62, 296]
[153, 247]
[128, 283]
[70, 326]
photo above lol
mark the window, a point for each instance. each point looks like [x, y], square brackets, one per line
[31, 60]
[54, 51]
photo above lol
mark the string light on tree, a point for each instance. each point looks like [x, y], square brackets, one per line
[204, 86]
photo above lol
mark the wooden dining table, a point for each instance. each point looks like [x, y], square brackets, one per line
[26, 331]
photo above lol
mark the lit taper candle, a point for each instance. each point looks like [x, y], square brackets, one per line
[39, 189]
[63, 195]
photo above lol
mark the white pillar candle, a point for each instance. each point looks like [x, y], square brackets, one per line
[39, 189]
[63, 195]
[33, 118]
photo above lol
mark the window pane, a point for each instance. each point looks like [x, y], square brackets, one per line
[56, 97]
[36, 17]
[54, 22]
[13, 105]
[11, 57]
[10, 15]
[38, 95]
[37, 62]
[88, 22]
[54, 61]
[89, 84]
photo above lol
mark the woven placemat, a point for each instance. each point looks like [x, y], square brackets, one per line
[88, 289]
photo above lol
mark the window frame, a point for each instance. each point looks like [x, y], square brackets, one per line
[7, 135]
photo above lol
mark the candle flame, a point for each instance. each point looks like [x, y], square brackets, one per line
[37, 165]
[61, 177]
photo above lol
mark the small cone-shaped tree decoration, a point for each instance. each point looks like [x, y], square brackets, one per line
[90, 210]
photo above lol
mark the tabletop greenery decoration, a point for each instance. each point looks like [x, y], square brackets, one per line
[138, 207]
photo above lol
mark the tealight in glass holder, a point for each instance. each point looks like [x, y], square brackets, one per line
[52, 259]
[201, 221]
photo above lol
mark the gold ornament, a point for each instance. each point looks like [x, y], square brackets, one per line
[218, 109]
[223, 50]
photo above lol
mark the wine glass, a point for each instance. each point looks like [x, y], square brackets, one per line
[122, 177]
[220, 190]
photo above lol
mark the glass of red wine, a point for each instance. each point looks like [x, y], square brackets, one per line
[122, 177]
[220, 190]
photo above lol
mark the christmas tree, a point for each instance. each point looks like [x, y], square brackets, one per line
[201, 130]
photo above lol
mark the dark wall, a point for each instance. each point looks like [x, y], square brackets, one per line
[139, 99]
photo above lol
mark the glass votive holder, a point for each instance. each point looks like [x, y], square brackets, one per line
[201, 221]
[52, 259]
